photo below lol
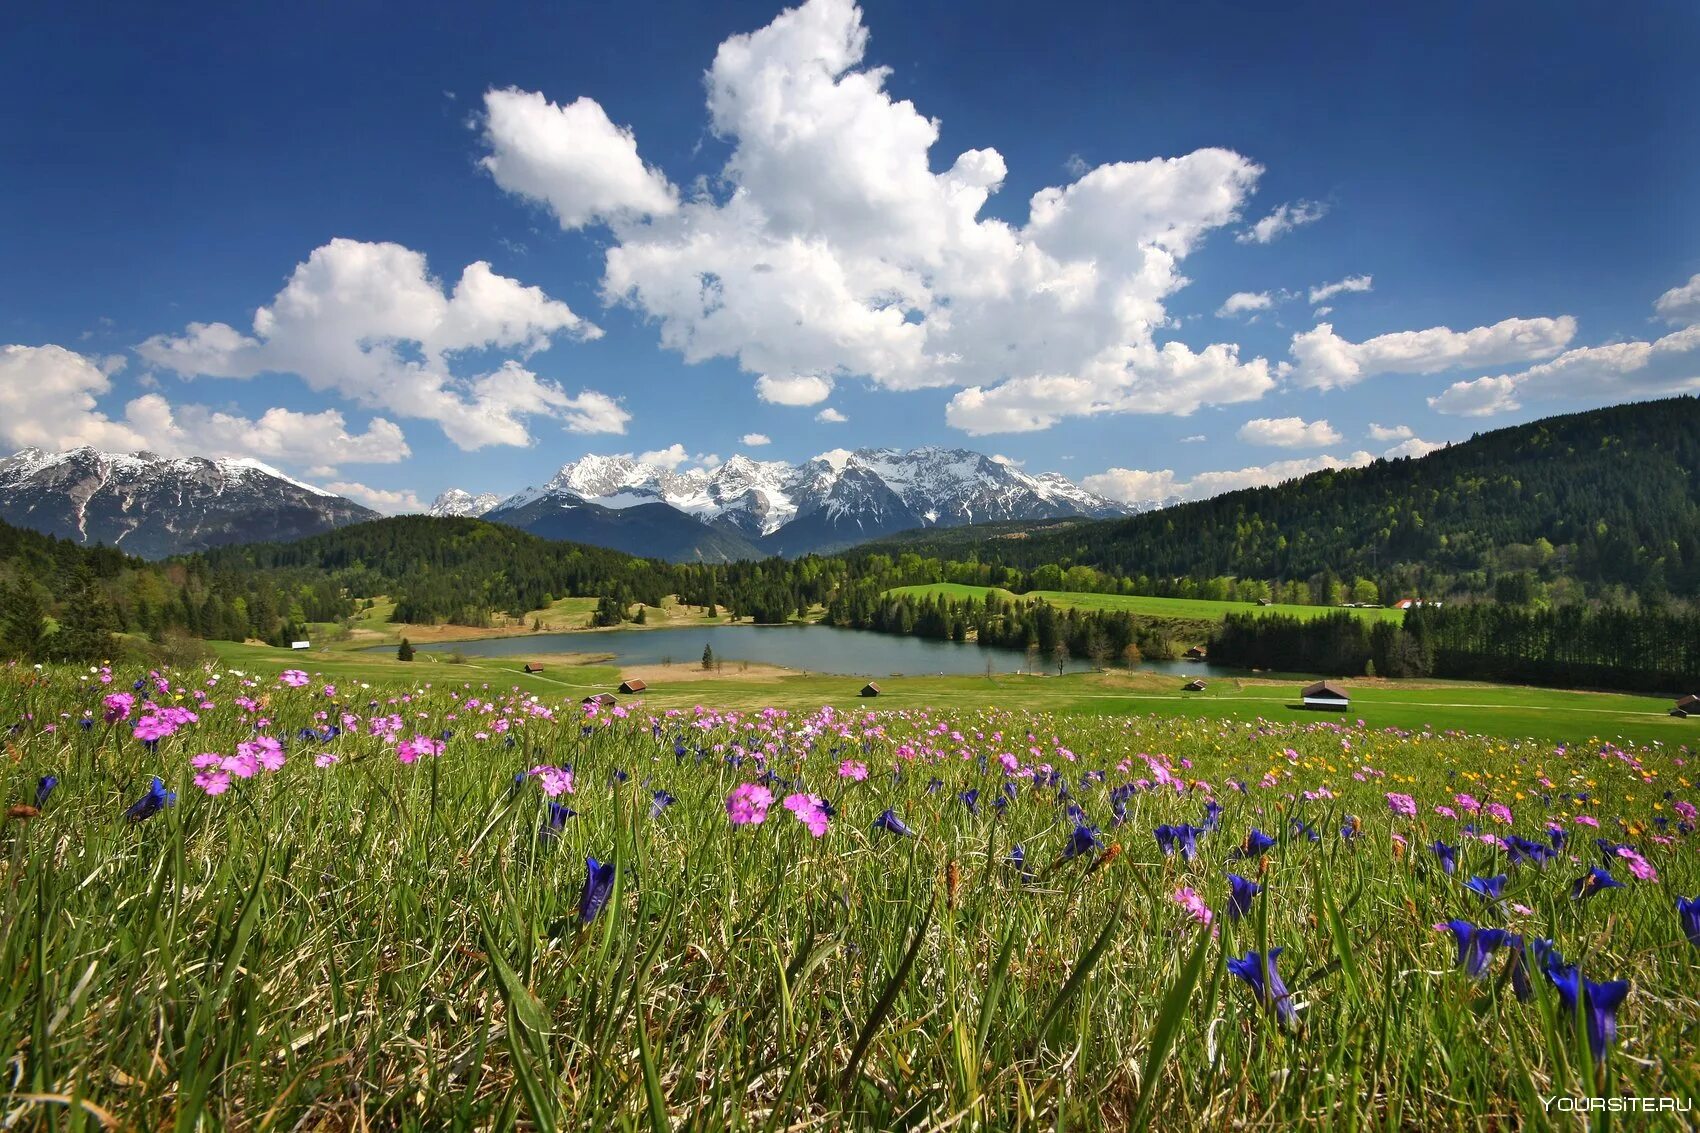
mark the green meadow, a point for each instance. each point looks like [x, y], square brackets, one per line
[1192, 609]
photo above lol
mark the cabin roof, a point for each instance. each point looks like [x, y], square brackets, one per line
[1325, 690]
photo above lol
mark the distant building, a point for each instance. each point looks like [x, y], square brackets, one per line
[1193, 686]
[1197, 653]
[1404, 604]
[1687, 706]
[605, 699]
[633, 685]
[1325, 694]
[301, 645]
[534, 666]
[870, 689]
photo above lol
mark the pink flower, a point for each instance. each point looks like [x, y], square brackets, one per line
[810, 811]
[1585, 820]
[1685, 809]
[207, 759]
[853, 770]
[264, 751]
[1193, 904]
[747, 804]
[213, 782]
[294, 678]
[323, 759]
[1467, 802]
[555, 781]
[409, 750]
[1445, 812]
[1499, 813]
[1401, 804]
[1638, 865]
[118, 705]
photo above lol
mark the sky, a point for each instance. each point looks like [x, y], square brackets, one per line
[1165, 249]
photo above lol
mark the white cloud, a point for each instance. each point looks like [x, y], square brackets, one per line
[378, 499]
[1680, 306]
[831, 416]
[669, 458]
[798, 389]
[1321, 311]
[1196, 438]
[1327, 361]
[755, 440]
[1000, 458]
[1284, 219]
[1289, 432]
[48, 399]
[829, 247]
[1619, 371]
[1242, 301]
[1386, 433]
[1136, 486]
[1352, 283]
[570, 158]
[368, 322]
[1416, 446]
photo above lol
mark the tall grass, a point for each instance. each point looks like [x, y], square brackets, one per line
[378, 944]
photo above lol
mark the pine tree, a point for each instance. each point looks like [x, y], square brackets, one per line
[404, 651]
[23, 621]
[707, 658]
[86, 622]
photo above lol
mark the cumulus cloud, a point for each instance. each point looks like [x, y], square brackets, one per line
[1325, 291]
[1602, 375]
[755, 440]
[1242, 301]
[1324, 360]
[829, 247]
[1289, 432]
[48, 400]
[1284, 219]
[368, 322]
[1138, 486]
[831, 416]
[378, 499]
[1680, 306]
[1386, 433]
[798, 389]
[570, 158]
[1416, 447]
[669, 458]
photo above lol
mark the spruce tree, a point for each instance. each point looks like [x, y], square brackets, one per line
[404, 651]
[707, 657]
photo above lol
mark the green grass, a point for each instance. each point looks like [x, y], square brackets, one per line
[1193, 609]
[388, 944]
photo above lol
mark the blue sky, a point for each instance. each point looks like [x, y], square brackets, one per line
[653, 229]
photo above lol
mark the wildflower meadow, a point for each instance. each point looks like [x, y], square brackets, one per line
[287, 903]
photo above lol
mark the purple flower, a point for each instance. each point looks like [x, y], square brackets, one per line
[1688, 912]
[1487, 888]
[1593, 882]
[555, 821]
[892, 824]
[44, 787]
[1242, 895]
[150, 804]
[1256, 844]
[598, 884]
[1448, 856]
[1265, 982]
[1475, 945]
[1084, 840]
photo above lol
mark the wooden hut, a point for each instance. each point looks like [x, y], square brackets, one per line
[534, 666]
[1193, 686]
[1687, 706]
[1325, 694]
[870, 689]
[632, 685]
[1197, 653]
[605, 699]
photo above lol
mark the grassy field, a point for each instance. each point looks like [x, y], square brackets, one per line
[1190, 609]
[387, 897]
[1505, 710]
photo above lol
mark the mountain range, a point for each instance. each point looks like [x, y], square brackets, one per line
[747, 508]
[154, 506]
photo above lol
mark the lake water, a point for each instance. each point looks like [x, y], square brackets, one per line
[815, 649]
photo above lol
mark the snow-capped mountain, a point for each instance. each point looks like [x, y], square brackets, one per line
[155, 506]
[455, 502]
[836, 499]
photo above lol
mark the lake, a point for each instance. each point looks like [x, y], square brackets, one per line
[815, 649]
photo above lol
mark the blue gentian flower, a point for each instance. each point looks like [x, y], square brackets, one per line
[935, 785]
[1520, 849]
[555, 820]
[971, 799]
[618, 776]
[892, 824]
[661, 800]
[1306, 830]
[1212, 815]
[150, 804]
[1688, 913]
[1448, 856]
[1487, 888]
[1243, 892]
[1084, 840]
[1601, 1000]
[1018, 859]
[598, 884]
[44, 787]
[1519, 967]
[1593, 882]
[1256, 844]
[1475, 945]
[1265, 982]
[999, 802]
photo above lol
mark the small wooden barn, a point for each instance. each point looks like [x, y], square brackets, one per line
[632, 685]
[1197, 653]
[534, 666]
[1325, 694]
[870, 689]
[1193, 686]
[605, 699]
[1687, 706]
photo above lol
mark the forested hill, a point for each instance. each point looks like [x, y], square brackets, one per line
[1609, 498]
